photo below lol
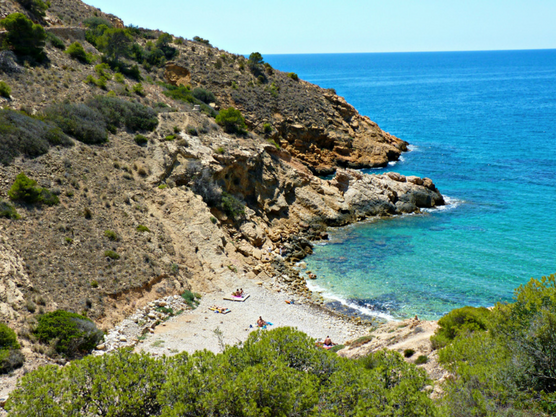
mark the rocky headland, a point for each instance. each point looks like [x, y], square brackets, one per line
[193, 207]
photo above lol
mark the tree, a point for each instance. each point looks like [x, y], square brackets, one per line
[37, 7]
[255, 63]
[24, 38]
[115, 43]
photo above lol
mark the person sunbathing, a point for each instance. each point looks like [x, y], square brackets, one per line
[261, 322]
[328, 342]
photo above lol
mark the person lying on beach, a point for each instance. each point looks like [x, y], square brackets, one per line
[328, 342]
[261, 322]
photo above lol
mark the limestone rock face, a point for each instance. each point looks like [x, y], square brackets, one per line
[13, 278]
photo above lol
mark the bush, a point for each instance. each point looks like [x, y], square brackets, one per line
[118, 113]
[293, 76]
[465, 319]
[138, 89]
[111, 254]
[37, 7]
[8, 338]
[22, 134]
[10, 360]
[111, 235]
[191, 299]
[55, 41]
[24, 38]
[140, 140]
[25, 190]
[69, 333]
[408, 353]
[184, 94]
[279, 372]
[84, 123]
[76, 51]
[232, 206]
[201, 40]
[422, 359]
[203, 95]
[8, 211]
[5, 89]
[232, 121]
[267, 128]
[141, 228]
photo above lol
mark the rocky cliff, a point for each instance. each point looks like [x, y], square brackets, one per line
[194, 206]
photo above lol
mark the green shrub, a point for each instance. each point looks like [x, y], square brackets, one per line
[119, 113]
[76, 51]
[278, 372]
[8, 338]
[21, 134]
[70, 334]
[114, 42]
[232, 121]
[267, 128]
[111, 235]
[192, 131]
[10, 360]
[111, 254]
[465, 319]
[142, 228]
[170, 138]
[220, 150]
[184, 94]
[422, 359]
[273, 142]
[94, 284]
[8, 211]
[5, 89]
[55, 41]
[191, 299]
[162, 186]
[203, 95]
[37, 7]
[138, 89]
[232, 206]
[23, 37]
[119, 78]
[201, 40]
[86, 124]
[293, 76]
[408, 353]
[141, 140]
[25, 190]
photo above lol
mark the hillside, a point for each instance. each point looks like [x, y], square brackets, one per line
[141, 194]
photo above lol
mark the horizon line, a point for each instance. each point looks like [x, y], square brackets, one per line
[409, 52]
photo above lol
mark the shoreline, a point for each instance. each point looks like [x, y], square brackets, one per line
[199, 329]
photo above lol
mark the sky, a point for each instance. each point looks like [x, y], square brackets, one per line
[326, 26]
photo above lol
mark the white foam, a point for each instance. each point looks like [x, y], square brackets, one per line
[412, 148]
[400, 159]
[330, 296]
[451, 204]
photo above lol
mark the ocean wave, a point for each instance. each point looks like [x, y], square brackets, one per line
[412, 148]
[451, 204]
[400, 159]
[365, 311]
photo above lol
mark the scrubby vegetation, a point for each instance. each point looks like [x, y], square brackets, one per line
[510, 367]
[21, 134]
[10, 355]
[5, 90]
[8, 211]
[90, 122]
[76, 51]
[70, 334]
[459, 321]
[25, 190]
[25, 38]
[185, 94]
[274, 373]
[192, 299]
[232, 121]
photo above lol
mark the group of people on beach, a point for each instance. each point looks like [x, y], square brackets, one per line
[238, 293]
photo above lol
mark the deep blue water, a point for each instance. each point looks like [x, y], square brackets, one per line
[483, 128]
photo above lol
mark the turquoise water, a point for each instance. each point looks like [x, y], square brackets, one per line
[482, 126]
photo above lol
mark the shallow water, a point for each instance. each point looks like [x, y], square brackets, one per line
[483, 127]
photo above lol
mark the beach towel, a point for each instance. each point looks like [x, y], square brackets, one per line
[234, 298]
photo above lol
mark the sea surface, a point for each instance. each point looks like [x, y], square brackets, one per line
[482, 126]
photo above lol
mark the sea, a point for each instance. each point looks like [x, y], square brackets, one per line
[482, 126]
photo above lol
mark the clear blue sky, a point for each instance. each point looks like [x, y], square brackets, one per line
[326, 26]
